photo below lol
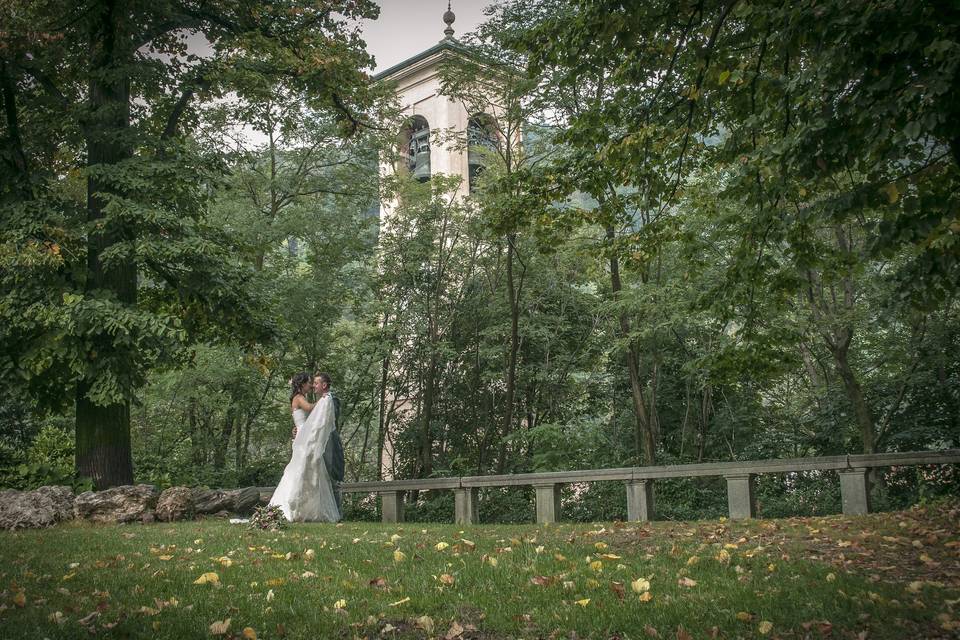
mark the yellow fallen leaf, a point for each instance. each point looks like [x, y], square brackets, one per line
[640, 585]
[597, 566]
[309, 554]
[592, 584]
[492, 561]
[395, 537]
[601, 545]
[743, 616]
[208, 578]
[166, 558]
[340, 604]
[692, 560]
[831, 577]
[249, 633]
[446, 578]
[220, 627]
[765, 627]
[583, 602]
[538, 550]
[723, 556]
[559, 557]
[441, 546]
[399, 602]
[609, 556]
[270, 595]
[646, 596]
[223, 560]
[399, 556]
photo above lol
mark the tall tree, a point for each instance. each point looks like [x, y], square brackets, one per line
[119, 83]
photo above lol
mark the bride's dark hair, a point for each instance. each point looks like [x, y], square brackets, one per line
[297, 382]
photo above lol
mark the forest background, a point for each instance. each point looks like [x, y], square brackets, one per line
[705, 231]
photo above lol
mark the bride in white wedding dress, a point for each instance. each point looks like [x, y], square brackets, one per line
[305, 492]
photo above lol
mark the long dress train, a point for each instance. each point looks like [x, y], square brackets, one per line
[305, 492]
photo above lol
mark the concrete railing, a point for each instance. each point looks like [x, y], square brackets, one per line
[740, 477]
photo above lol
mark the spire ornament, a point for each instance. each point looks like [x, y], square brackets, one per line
[448, 18]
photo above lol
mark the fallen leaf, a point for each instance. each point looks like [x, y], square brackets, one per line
[646, 596]
[597, 566]
[687, 582]
[831, 577]
[541, 581]
[765, 627]
[399, 556]
[617, 588]
[20, 599]
[441, 546]
[600, 545]
[455, 631]
[425, 623]
[583, 602]
[743, 616]
[379, 582]
[249, 633]
[640, 585]
[220, 627]
[208, 578]
[399, 602]
[446, 578]
[683, 634]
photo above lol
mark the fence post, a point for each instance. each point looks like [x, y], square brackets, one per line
[855, 491]
[640, 506]
[466, 505]
[740, 498]
[391, 506]
[548, 502]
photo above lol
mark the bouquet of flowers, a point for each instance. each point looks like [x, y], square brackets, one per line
[269, 518]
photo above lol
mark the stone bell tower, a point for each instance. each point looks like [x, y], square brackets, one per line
[425, 143]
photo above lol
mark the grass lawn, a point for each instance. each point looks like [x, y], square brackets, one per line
[893, 575]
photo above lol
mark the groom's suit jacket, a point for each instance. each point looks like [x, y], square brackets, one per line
[333, 452]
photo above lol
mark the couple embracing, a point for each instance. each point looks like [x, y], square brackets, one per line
[307, 491]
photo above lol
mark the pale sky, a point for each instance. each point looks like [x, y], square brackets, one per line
[407, 27]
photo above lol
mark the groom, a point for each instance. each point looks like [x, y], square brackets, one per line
[333, 452]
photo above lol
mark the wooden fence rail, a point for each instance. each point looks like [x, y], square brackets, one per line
[639, 481]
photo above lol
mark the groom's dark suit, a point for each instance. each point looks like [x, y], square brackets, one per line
[333, 452]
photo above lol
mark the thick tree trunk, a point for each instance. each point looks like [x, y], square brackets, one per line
[103, 432]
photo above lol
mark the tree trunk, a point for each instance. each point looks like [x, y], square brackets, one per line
[513, 298]
[855, 394]
[103, 432]
[643, 438]
[426, 418]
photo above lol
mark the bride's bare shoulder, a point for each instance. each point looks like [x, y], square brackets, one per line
[300, 402]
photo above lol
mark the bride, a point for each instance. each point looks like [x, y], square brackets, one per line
[305, 492]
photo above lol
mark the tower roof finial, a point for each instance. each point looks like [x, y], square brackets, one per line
[448, 18]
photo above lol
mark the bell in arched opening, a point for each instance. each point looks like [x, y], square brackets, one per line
[418, 149]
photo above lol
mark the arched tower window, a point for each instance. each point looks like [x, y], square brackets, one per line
[481, 139]
[415, 148]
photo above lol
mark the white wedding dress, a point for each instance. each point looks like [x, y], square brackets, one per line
[305, 492]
